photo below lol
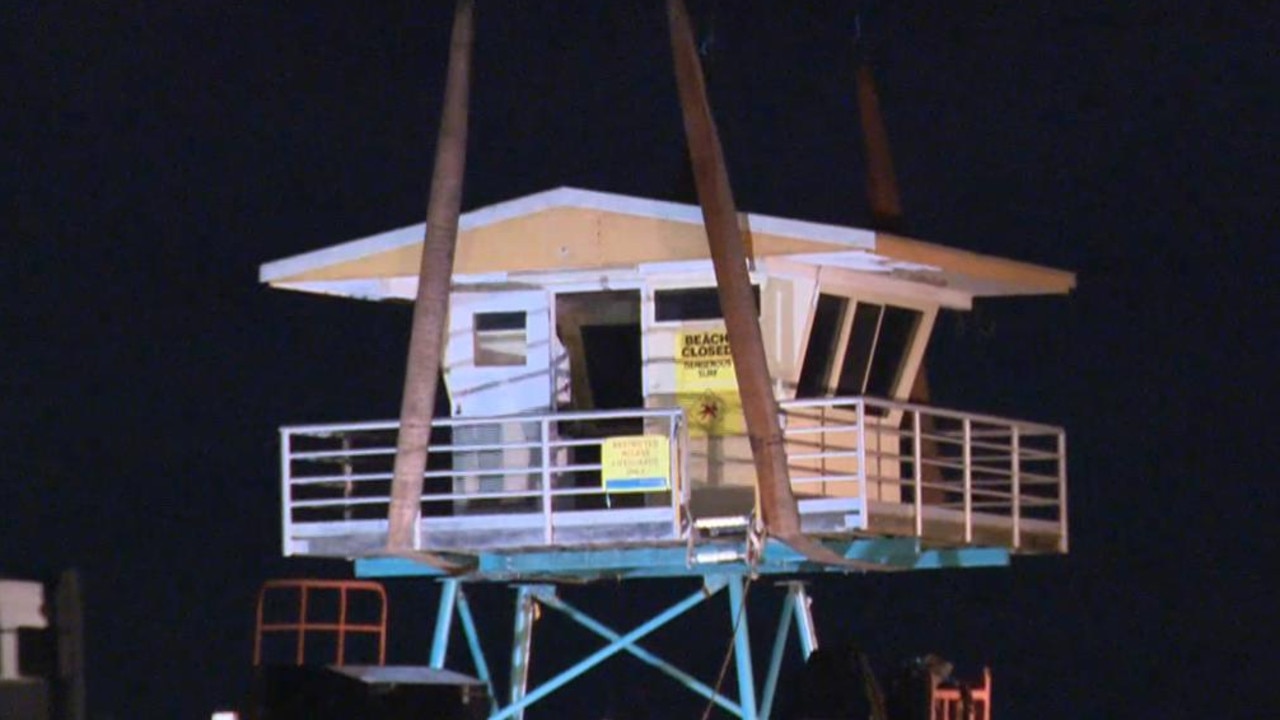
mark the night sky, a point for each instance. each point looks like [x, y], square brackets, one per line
[160, 151]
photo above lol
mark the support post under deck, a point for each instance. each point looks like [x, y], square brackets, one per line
[796, 607]
[473, 642]
[444, 623]
[742, 649]
[522, 647]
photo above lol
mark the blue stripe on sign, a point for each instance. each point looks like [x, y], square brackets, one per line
[649, 483]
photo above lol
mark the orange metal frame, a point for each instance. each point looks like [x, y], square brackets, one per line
[948, 703]
[342, 627]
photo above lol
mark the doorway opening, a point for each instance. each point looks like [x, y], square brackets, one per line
[599, 366]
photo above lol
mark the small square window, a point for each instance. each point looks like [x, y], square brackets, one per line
[501, 339]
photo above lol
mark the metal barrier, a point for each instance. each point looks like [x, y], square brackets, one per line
[537, 478]
[340, 627]
[947, 477]
[942, 475]
[968, 703]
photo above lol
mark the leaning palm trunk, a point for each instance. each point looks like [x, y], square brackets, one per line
[431, 307]
[777, 503]
[886, 213]
[729, 258]
[882, 182]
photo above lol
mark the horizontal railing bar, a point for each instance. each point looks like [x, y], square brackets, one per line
[305, 455]
[819, 430]
[924, 410]
[815, 479]
[830, 454]
[332, 429]
[339, 502]
[338, 479]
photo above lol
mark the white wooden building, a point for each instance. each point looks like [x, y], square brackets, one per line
[581, 321]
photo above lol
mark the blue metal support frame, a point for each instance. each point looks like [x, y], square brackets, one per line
[604, 631]
[522, 646]
[444, 623]
[712, 586]
[473, 642]
[803, 610]
[742, 648]
[775, 658]
[673, 561]
[796, 608]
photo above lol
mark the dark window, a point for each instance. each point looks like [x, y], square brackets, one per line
[820, 353]
[500, 321]
[879, 340]
[857, 352]
[692, 304]
[897, 331]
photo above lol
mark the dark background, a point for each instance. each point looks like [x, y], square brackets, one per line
[158, 152]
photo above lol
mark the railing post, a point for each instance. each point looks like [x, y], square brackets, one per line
[417, 507]
[348, 487]
[686, 492]
[547, 529]
[822, 448]
[917, 462]
[1015, 456]
[341, 652]
[967, 462]
[286, 490]
[861, 438]
[302, 625]
[674, 463]
[1063, 543]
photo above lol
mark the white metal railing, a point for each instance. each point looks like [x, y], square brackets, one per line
[955, 476]
[539, 464]
[940, 475]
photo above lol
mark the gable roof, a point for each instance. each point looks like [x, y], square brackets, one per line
[569, 229]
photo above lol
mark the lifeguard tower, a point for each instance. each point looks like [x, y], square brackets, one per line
[596, 431]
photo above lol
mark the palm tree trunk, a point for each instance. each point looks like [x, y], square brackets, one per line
[729, 258]
[882, 182]
[777, 503]
[431, 307]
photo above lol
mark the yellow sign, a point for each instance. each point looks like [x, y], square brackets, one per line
[706, 384]
[635, 463]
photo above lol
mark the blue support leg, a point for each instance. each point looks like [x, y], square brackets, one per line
[522, 647]
[473, 642]
[742, 649]
[444, 623]
[775, 659]
[803, 609]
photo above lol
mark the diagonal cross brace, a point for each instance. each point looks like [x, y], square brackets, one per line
[712, 586]
[643, 655]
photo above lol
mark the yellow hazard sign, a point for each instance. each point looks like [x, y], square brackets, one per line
[635, 463]
[706, 384]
